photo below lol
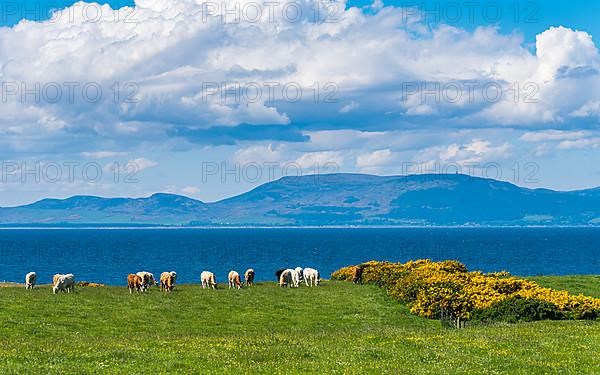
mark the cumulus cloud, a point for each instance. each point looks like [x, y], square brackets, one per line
[172, 63]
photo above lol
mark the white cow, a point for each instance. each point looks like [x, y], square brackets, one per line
[207, 279]
[234, 280]
[289, 278]
[285, 279]
[296, 278]
[174, 274]
[299, 272]
[147, 279]
[64, 283]
[30, 279]
[311, 277]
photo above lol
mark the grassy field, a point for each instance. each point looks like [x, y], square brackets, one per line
[335, 328]
[588, 285]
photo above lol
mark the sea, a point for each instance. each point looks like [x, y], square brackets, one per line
[108, 255]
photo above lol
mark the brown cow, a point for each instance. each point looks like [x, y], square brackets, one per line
[357, 272]
[134, 282]
[234, 280]
[249, 277]
[167, 281]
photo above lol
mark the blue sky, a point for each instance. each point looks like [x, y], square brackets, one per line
[529, 20]
[387, 77]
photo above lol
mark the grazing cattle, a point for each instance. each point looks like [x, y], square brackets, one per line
[234, 280]
[299, 272]
[134, 282]
[64, 283]
[167, 281]
[311, 277]
[207, 279]
[287, 278]
[249, 277]
[357, 272]
[30, 279]
[278, 273]
[55, 278]
[295, 279]
[147, 280]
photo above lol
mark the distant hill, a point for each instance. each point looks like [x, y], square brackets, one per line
[339, 199]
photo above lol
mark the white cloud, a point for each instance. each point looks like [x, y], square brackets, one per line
[589, 109]
[580, 144]
[170, 54]
[551, 135]
[143, 163]
[475, 151]
[349, 107]
[191, 190]
[102, 154]
[374, 159]
[321, 159]
[259, 154]
[553, 140]
[561, 47]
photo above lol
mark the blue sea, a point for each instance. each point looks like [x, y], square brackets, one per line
[108, 255]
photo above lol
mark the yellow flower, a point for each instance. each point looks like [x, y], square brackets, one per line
[430, 287]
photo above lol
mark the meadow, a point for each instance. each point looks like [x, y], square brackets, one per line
[337, 327]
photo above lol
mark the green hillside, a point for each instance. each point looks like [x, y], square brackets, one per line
[335, 328]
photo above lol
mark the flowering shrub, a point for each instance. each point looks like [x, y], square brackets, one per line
[517, 309]
[431, 287]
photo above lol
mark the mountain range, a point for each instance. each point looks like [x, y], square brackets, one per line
[331, 200]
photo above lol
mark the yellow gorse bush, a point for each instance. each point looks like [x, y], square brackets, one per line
[430, 287]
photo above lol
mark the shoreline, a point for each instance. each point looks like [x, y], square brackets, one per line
[116, 227]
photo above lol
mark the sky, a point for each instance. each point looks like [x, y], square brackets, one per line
[209, 101]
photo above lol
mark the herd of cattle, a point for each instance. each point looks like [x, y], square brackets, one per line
[141, 281]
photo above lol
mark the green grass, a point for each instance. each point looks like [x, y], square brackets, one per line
[335, 328]
[588, 285]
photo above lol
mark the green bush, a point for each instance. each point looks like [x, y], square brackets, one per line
[518, 309]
